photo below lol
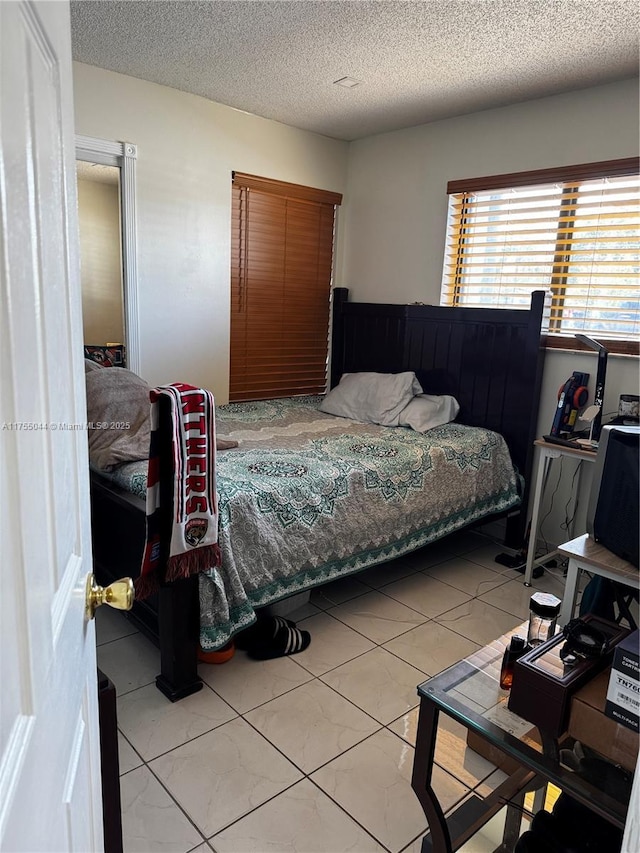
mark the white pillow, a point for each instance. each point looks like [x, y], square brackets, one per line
[375, 398]
[426, 412]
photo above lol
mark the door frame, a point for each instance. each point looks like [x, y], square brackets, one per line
[124, 156]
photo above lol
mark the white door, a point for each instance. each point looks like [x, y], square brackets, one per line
[50, 796]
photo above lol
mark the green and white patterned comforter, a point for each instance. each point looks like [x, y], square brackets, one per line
[308, 497]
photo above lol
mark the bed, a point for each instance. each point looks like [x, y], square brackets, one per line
[304, 483]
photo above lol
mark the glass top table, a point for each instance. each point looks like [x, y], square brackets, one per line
[469, 691]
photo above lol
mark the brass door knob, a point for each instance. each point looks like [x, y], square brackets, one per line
[118, 594]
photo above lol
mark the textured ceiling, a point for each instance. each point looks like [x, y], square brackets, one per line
[418, 61]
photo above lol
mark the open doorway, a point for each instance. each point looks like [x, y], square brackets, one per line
[105, 173]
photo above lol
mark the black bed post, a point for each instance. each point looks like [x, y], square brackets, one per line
[179, 630]
[340, 298]
[178, 605]
[532, 380]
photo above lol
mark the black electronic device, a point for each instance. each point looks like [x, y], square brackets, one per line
[583, 641]
[568, 442]
[601, 374]
[613, 510]
[573, 395]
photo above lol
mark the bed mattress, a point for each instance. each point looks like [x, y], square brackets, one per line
[307, 497]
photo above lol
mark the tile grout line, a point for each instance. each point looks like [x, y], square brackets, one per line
[318, 678]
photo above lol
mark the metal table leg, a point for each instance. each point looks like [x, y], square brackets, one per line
[512, 823]
[570, 595]
[421, 777]
[539, 798]
[544, 464]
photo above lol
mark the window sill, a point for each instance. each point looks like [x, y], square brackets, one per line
[557, 342]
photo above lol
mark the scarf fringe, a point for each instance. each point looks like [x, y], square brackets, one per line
[145, 585]
[193, 562]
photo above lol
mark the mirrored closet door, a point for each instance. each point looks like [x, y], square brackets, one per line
[106, 208]
[101, 261]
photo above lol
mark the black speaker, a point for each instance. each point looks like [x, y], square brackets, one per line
[615, 522]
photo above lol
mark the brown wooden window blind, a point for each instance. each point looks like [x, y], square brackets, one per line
[281, 264]
[573, 230]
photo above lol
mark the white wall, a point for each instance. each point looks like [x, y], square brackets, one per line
[395, 210]
[187, 149]
[100, 262]
[391, 228]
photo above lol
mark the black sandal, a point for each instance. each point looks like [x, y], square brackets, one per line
[272, 637]
[263, 630]
[287, 640]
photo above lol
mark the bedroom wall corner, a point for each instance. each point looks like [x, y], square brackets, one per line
[395, 210]
[187, 148]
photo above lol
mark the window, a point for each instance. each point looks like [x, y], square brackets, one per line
[574, 231]
[281, 265]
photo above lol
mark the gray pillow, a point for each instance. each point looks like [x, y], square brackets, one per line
[118, 411]
[375, 398]
[426, 412]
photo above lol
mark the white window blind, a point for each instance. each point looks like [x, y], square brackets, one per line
[578, 237]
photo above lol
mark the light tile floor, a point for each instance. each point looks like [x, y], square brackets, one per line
[313, 753]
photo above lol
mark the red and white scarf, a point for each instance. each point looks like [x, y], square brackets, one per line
[181, 472]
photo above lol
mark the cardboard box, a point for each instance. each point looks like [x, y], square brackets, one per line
[495, 755]
[492, 753]
[623, 693]
[589, 725]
